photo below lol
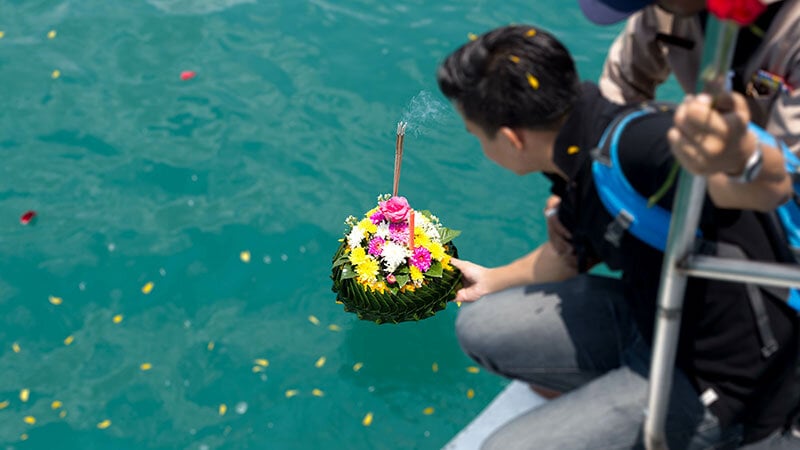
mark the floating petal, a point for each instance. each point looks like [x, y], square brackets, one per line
[334, 327]
[320, 362]
[428, 411]
[313, 319]
[104, 424]
[4, 404]
[147, 288]
[472, 36]
[210, 345]
[187, 75]
[55, 74]
[69, 339]
[117, 318]
[24, 395]
[473, 369]
[146, 366]
[257, 369]
[30, 420]
[367, 421]
[470, 394]
[51, 34]
[27, 217]
[317, 393]
[15, 347]
[56, 300]
[223, 408]
[263, 362]
[291, 393]
[56, 404]
[245, 256]
[435, 367]
[357, 366]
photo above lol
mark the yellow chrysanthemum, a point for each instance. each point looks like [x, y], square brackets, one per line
[437, 251]
[378, 286]
[420, 238]
[368, 271]
[368, 226]
[358, 256]
[446, 262]
[416, 274]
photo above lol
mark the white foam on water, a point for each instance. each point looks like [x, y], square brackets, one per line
[193, 7]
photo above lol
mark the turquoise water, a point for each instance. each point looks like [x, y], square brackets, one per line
[143, 180]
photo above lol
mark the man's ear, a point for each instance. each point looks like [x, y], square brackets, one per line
[515, 138]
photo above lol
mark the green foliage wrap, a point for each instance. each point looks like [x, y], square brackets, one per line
[397, 307]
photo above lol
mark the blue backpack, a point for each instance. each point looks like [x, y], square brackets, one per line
[650, 223]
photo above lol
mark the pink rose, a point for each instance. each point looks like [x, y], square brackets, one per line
[395, 209]
[391, 278]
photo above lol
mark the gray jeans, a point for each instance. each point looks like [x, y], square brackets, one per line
[578, 337]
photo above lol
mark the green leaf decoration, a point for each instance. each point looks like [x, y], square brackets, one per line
[394, 306]
[448, 235]
[435, 270]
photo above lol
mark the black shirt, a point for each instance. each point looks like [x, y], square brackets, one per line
[719, 346]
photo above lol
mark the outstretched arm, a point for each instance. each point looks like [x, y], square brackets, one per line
[541, 265]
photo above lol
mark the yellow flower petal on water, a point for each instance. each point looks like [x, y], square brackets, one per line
[245, 256]
[263, 362]
[257, 369]
[210, 345]
[334, 327]
[30, 420]
[147, 288]
[532, 80]
[117, 318]
[23, 437]
[62, 414]
[56, 300]
[15, 347]
[514, 59]
[473, 369]
[435, 367]
[320, 362]
[24, 395]
[69, 339]
[573, 149]
[51, 34]
[55, 74]
[291, 393]
[146, 366]
[56, 404]
[104, 424]
[357, 366]
[317, 393]
[428, 411]
[4, 404]
[531, 33]
[2, 34]
[470, 393]
[223, 408]
[313, 319]
[367, 421]
[472, 36]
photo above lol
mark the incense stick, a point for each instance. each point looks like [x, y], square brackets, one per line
[398, 155]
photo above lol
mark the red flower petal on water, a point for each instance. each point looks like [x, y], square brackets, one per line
[187, 75]
[27, 217]
[743, 12]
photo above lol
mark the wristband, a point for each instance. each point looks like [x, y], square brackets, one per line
[751, 168]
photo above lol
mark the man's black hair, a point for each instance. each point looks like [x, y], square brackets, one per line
[514, 76]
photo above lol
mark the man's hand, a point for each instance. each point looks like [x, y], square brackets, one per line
[474, 278]
[711, 136]
[557, 234]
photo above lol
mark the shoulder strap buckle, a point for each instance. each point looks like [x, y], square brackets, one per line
[617, 227]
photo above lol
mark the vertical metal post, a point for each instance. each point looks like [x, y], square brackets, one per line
[687, 206]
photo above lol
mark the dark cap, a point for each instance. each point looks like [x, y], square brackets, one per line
[606, 12]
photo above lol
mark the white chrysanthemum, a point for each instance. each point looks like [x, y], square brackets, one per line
[355, 237]
[393, 255]
[383, 230]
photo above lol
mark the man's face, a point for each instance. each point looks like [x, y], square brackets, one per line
[497, 148]
[682, 7]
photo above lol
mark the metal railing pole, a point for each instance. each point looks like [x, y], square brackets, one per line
[687, 206]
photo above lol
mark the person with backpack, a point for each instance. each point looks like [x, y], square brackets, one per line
[548, 322]
[665, 37]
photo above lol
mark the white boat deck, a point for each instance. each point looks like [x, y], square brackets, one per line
[516, 399]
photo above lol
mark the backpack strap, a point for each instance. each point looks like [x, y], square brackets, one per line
[629, 208]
